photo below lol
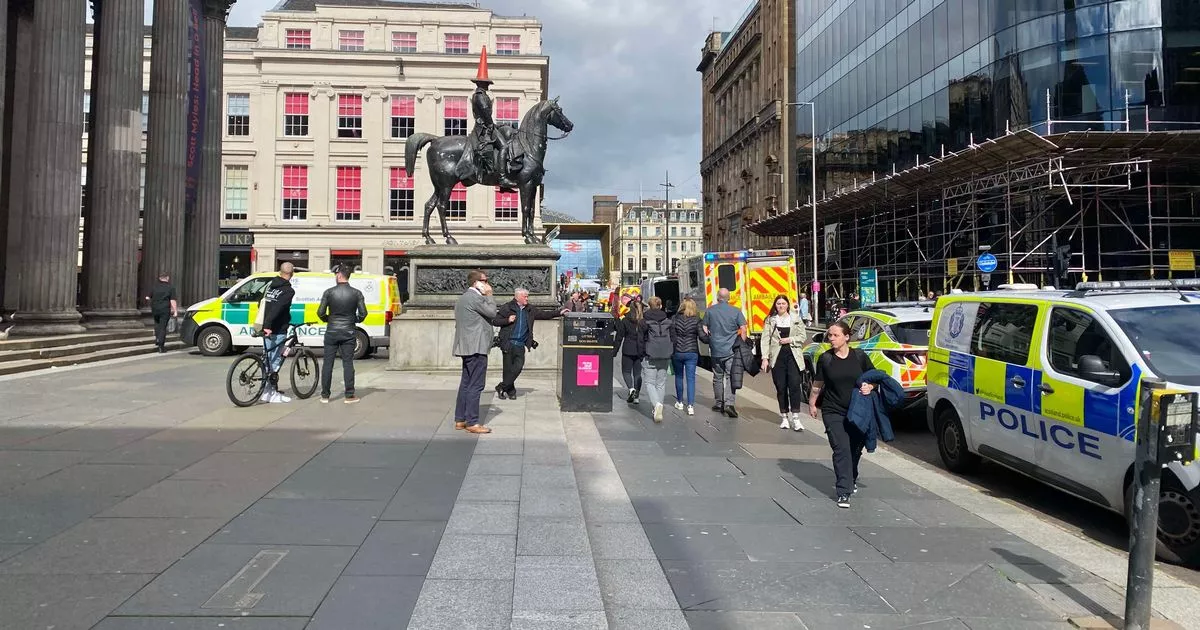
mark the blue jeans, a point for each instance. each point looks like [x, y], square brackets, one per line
[273, 352]
[685, 361]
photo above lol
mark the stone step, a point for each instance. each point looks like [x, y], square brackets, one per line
[91, 345]
[29, 365]
[31, 343]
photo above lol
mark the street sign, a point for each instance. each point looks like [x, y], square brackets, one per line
[867, 291]
[986, 263]
[1180, 259]
[816, 286]
[951, 267]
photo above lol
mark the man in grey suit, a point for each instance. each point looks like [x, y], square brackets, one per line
[472, 339]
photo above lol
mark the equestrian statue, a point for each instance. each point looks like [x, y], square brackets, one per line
[492, 155]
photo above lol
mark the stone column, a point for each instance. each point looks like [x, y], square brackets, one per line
[114, 167]
[50, 230]
[166, 148]
[202, 232]
[16, 134]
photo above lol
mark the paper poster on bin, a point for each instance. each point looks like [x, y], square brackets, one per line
[587, 370]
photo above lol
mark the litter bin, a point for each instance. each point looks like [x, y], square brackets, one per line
[585, 381]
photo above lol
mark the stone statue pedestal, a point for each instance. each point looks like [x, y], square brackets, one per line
[422, 336]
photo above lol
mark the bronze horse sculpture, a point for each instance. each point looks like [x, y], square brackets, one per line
[527, 143]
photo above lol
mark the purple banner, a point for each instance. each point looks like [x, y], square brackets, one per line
[197, 97]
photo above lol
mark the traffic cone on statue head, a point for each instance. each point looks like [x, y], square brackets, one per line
[481, 77]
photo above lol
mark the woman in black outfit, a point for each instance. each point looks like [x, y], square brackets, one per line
[631, 344]
[837, 372]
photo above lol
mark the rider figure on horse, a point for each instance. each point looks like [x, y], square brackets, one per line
[487, 141]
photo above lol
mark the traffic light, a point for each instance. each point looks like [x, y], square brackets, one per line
[1060, 260]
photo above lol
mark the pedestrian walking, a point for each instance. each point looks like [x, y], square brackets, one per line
[164, 305]
[576, 304]
[805, 310]
[685, 333]
[631, 345]
[724, 325]
[342, 308]
[837, 373]
[515, 319]
[276, 317]
[783, 336]
[473, 316]
[660, 347]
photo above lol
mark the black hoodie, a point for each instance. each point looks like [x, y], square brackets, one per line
[278, 313]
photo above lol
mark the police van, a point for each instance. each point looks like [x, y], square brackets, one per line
[1047, 383]
[222, 323]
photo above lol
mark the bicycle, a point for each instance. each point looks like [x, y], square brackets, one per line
[251, 372]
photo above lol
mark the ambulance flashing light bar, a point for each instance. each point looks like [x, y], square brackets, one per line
[742, 255]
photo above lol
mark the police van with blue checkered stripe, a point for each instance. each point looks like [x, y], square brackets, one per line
[1047, 382]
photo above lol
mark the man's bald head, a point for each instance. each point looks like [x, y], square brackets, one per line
[723, 295]
[286, 270]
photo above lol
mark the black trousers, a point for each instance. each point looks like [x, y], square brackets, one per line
[470, 386]
[847, 443]
[631, 371]
[335, 348]
[786, 375]
[160, 328]
[514, 362]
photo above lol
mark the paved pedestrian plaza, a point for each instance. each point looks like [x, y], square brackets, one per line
[136, 497]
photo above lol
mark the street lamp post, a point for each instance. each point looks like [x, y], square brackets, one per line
[667, 186]
[812, 108]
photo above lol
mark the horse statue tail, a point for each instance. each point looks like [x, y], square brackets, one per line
[412, 146]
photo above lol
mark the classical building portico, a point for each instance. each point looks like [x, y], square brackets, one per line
[41, 103]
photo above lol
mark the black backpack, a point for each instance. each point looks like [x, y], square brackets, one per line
[658, 339]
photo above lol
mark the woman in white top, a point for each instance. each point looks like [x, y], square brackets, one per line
[784, 333]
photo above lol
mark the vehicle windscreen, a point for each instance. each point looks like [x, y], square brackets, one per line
[1166, 338]
[668, 290]
[912, 333]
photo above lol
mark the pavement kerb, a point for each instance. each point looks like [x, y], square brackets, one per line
[1173, 599]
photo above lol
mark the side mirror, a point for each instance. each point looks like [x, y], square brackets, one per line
[1092, 369]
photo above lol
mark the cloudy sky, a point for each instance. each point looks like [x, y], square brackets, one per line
[626, 74]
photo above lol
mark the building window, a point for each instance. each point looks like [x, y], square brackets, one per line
[400, 195]
[142, 194]
[644, 265]
[454, 110]
[87, 111]
[237, 193]
[404, 42]
[629, 247]
[145, 112]
[658, 264]
[629, 230]
[458, 203]
[298, 38]
[508, 110]
[349, 193]
[238, 115]
[658, 248]
[458, 43]
[295, 193]
[352, 40]
[673, 245]
[83, 188]
[506, 205]
[404, 121]
[350, 113]
[508, 44]
[295, 114]
[629, 264]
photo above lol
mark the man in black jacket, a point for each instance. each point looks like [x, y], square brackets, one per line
[516, 336]
[342, 307]
[277, 316]
[164, 304]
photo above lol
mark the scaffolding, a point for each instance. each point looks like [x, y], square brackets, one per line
[1117, 201]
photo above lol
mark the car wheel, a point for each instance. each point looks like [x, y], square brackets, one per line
[213, 341]
[1178, 522]
[952, 443]
[362, 344]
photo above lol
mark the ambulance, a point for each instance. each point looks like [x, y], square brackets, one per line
[754, 279]
[1048, 383]
[217, 325]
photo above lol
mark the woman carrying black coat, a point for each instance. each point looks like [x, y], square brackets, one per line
[631, 344]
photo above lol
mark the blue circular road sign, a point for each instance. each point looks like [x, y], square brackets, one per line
[986, 263]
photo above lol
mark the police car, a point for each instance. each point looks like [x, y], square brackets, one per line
[1046, 382]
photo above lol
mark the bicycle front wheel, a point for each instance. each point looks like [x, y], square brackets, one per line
[246, 380]
[306, 370]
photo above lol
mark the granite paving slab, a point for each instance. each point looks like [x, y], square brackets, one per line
[398, 548]
[862, 512]
[690, 541]
[238, 466]
[556, 583]
[495, 465]
[18, 467]
[368, 603]
[797, 543]
[199, 623]
[737, 485]
[99, 480]
[31, 517]
[203, 582]
[552, 537]
[705, 510]
[459, 604]
[106, 545]
[657, 484]
[560, 504]
[63, 601]
[491, 488]
[708, 620]
[302, 522]
[424, 496]
[635, 585]
[191, 498]
[323, 482]
[555, 620]
[948, 544]
[474, 557]
[619, 540]
[936, 513]
[484, 517]
[638, 619]
[769, 586]
[356, 455]
[953, 590]
[89, 439]
[812, 620]
[177, 453]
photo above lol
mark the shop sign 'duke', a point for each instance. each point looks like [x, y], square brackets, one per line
[492, 155]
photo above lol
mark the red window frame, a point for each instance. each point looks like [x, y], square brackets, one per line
[349, 193]
[350, 115]
[454, 111]
[404, 41]
[298, 38]
[457, 43]
[295, 104]
[352, 40]
[295, 192]
[508, 109]
[458, 203]
[507, 205]
[508, 44]
[404, 115]
[401, 195]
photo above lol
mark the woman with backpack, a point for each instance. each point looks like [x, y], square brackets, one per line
[784, 336]
[685, 331]
[659, 350]
[632, 346]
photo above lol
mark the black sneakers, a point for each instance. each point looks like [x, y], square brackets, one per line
[843, 501]
[731, 411]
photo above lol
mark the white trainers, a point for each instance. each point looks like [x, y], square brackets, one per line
[691, 410]
[658, 412]
[784, 423]
[796, 424]
[679, 405]
[267, 394]
[279, 398]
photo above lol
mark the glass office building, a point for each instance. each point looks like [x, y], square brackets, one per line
[908, 94]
